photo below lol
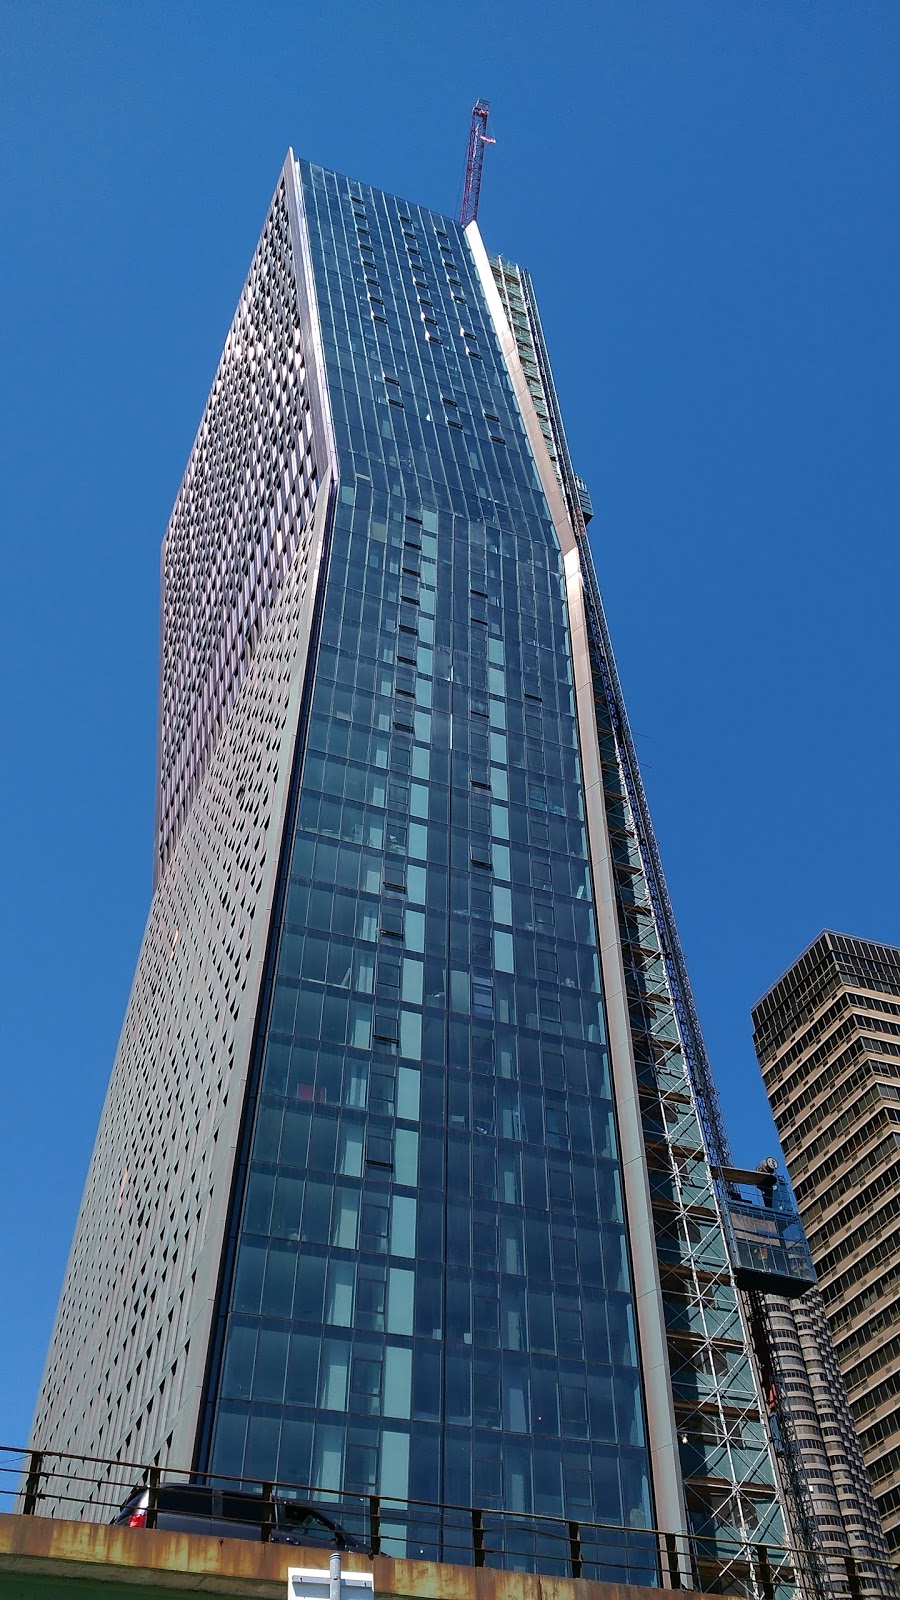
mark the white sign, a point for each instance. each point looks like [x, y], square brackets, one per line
[317, 1583]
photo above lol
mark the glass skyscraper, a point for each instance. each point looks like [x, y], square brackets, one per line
[406, 1179]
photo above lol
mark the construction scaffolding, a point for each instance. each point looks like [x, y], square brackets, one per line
[740, 1468]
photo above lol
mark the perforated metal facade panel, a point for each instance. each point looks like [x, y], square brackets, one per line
[246, 496]
[129, 1347]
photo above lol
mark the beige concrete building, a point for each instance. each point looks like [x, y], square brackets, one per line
[828, 1040]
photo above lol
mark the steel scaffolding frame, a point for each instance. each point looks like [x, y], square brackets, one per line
[683, 1127]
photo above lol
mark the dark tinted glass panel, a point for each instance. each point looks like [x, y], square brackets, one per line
[242, 1508]
[434, 1136]
[186, 1500]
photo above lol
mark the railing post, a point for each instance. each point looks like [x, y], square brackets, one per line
[374, 1525]
[853, 1579]
[575, 1549]
[478, 1537]
[765, 1572]
[153, 1477]
[31, 1483]
[268, 1508]
[673, 1563]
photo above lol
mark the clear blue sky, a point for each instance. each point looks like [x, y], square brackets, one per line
[706, 194]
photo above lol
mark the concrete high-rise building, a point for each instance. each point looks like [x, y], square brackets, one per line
[828, 1040]
[829, 1458]
[409, 1177]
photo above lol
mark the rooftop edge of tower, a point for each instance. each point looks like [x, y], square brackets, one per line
[828, 942]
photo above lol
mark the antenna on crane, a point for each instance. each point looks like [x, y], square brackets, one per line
[478, 138]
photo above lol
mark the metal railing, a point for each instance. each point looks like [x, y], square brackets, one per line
[710, 1560]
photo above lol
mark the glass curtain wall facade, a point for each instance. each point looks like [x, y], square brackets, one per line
[434, 1120]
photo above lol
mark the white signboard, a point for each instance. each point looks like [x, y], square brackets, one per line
[318, 1583]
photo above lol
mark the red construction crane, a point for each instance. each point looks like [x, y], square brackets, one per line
[478, 138]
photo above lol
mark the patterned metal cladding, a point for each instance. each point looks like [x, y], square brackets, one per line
[129, 1346]
[247, 494]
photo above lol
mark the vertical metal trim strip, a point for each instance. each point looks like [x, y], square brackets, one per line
[665, 1464]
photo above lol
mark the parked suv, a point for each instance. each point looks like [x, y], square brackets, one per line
[232, 1514]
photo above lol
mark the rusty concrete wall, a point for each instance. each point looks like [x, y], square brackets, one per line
[38, 1555]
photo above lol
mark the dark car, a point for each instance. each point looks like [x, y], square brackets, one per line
[233, 1514]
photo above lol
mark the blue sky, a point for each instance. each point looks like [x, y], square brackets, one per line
[705, 193]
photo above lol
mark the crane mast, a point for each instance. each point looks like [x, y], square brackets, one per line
[478, 138]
